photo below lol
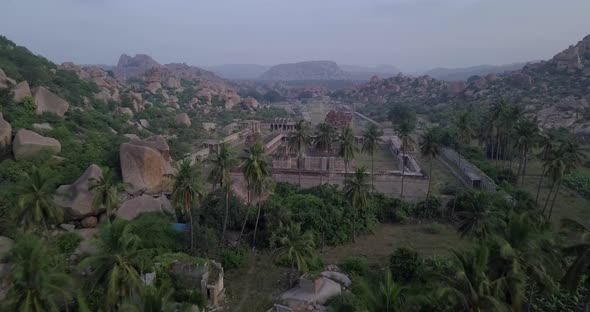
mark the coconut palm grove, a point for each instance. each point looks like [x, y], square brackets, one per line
[308, 186]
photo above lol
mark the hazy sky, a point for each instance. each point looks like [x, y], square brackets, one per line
[411, 34]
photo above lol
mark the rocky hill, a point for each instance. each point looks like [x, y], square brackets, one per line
[306, 71]
[557, 91]
[239, 71]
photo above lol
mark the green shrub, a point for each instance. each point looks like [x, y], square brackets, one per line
[432, 229]
[579, 181]
[67, 242]
[156, 231]
[345, 302]
[428, 209]
[355, 265]
[190, 295]
[233, 258]
[405, 265]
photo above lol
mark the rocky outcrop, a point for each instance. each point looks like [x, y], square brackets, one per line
[454, 88]
[251, 102]
[46, 101]
[135, 66]
[76, 199]
[5, 82]
[145, 164]
[209, 126]
[134, 207]
[153, 87]
[313, 70]
[5, 133]
[28, 144]
[125, 111]
[173, 83]
[21, 91]
[183, 119]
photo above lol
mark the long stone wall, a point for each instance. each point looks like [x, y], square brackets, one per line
[466, 172]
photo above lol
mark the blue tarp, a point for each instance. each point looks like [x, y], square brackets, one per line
[180, 227]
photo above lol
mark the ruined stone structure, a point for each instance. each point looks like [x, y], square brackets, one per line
[252, 125]
[339, 119]
[281, 124]
[466, 172]
[405, 159]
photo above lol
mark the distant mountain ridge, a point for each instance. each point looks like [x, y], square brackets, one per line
[238, 71]
[463, 73]
[309, 70]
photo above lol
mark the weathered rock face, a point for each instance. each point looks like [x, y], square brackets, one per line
[145, 164]
[5, 82]
[173, 83]
[133, 66]
[183, 119]
[132, 208]
[29, 144]
[76, 199]
[312, 70]
[5, 133]
[562, 114]
[45, 101]
[455, 88]
[251, 102]
[125, 111]
[21, 91]
[153, 87]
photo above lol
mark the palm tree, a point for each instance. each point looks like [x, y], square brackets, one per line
[471, 287]
[386, 295]
[348, 148]
[430, 147]
[479, 217]
[115, 266]
[36, 204]
[356, 190]
[547, 143]
[150, 299]
[579, 270]
[105, 192]
[324, 140]
[36, 283]
[186, 192]
[298, 141]
[527, 133]
[566, 158]
[464, 128]
[405, 130]
[257, 173]
[295, 245]
[371, 138]
[223, 161]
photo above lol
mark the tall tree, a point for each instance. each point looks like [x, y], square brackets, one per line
[546, 143]
[478, 218]
[294, 244]
[561, 161]
[115, 267]
[37, 284]
[36, 204]
[257, 173]
[187, 192]
[298, 142]
[151, 299]
[324, 140]
[106, 192]
[527, 134]
[405, 130]
[348, 148]
[579, 270]
[430, 147]
[464, 128]
[371, 139]
[356, 190]
[223, 161]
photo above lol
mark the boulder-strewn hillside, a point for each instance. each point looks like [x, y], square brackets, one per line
[239, 71]
[312, 70]
[557, 91]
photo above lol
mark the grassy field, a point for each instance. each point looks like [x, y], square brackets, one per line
[384, 160]
[256, 286]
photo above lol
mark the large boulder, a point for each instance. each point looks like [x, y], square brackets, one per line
[5, 82]
[21, 91]
[46, 101]
[28, 144]
[125, 111]
[454, 88]
[183, 119]
[76, 199]
[132, 208]
[145, 164]
[5, 133]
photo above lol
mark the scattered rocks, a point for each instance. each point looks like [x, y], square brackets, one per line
[5, 245]
[153, 87]
[21, 91]
[68, 227]
[183, 119]
[28, 144]
[43, 127]
[145, 164]
[5, 82]
[144, 123]
[209, 126]
[46, 101]
[132, 208]
[125, 111]
[76, 199]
